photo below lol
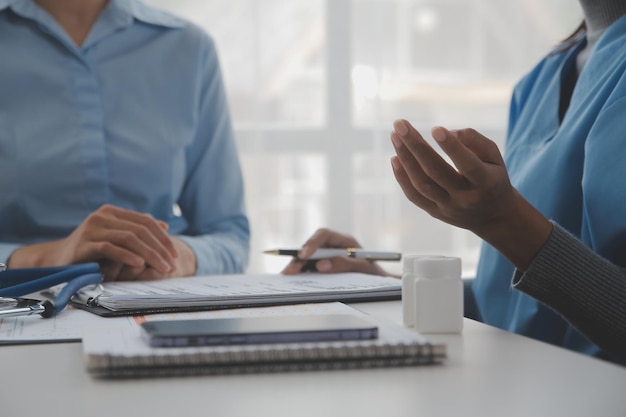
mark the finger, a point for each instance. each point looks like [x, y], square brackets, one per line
[122, 247]
[340, 264]
[309, 266]
[337, 264]
[296, 266]
[418, 178]
[104, 250]
[130, 241]
[149, 239]
[129, 273]
[408, 189]
[151, 274]
[110, 222]
[326, 238]
[431, 163]
[484, 148]
[469, 151]
[110, 270]
[155, 228]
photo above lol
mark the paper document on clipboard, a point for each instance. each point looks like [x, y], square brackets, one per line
[233, 291]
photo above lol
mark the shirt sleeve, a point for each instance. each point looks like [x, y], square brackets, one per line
[212, 199]
[586, 289]
[6, 249]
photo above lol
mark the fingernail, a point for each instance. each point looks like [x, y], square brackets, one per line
[440, 134]
[395, 139]
[395, 163]
[401, 127]
[324, 265]
[164, 267]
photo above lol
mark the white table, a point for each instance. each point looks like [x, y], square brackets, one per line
[489, 373]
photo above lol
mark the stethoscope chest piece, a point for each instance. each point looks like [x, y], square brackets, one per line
[16, 283]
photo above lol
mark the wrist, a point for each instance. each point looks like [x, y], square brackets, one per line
[26, 257]
[186, 262]
[37, 255]
[520, 234]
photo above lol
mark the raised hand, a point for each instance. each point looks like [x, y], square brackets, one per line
[474, 194]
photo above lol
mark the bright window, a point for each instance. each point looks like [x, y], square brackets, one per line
[314, 87]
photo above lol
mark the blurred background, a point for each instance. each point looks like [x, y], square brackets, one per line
[315, 85]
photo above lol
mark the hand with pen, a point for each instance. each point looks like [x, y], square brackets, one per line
[127, 244]
[326, 238]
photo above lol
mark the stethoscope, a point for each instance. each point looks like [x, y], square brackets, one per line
[18, 282]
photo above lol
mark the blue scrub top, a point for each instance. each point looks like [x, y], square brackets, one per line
[572, 170]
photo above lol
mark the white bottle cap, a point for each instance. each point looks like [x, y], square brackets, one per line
[437, 267]
[408, 262]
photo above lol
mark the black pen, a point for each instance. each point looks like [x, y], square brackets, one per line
[324, 253]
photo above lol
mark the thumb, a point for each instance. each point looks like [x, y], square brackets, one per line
[471, 152]
[484, 148]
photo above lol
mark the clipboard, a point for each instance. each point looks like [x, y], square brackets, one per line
[233, 291]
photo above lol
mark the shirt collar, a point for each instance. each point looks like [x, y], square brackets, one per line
[118, 15]
[124, 11]
[144, 13]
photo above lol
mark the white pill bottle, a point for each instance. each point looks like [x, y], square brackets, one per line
[432, 294]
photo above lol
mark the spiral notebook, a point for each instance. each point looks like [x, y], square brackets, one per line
[123, 353]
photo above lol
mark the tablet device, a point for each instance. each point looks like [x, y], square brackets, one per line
[256, 330]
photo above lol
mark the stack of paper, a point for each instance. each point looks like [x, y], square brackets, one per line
[229, 291]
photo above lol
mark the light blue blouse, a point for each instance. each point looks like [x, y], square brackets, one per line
[137, 118]
[574, 172]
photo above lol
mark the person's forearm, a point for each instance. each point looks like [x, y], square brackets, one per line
[583, 287]
[34, 256]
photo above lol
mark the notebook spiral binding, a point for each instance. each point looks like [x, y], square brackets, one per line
[267, 359]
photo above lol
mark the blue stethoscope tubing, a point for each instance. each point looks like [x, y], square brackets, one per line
[22, 281]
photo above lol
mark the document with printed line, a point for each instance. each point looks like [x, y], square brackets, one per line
[233, 291]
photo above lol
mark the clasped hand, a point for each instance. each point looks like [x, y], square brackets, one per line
[127, 245]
